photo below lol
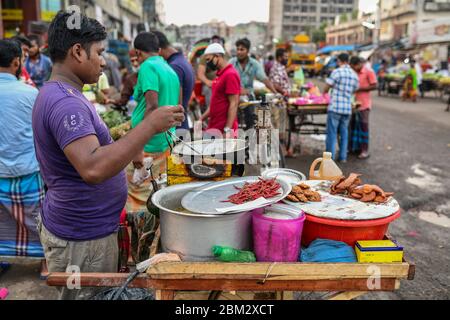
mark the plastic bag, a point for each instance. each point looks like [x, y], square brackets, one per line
[322, 250]
[127, 294]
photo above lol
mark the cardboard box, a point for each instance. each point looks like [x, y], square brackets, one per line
[383, 251]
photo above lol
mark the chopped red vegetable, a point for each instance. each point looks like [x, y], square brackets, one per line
[253, 191]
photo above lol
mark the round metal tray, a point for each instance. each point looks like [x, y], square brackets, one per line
[208, 198]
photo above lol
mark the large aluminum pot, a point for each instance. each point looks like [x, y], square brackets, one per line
[192, 236]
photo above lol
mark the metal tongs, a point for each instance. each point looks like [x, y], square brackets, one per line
[174, 136]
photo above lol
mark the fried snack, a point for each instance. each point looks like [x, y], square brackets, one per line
[303, 193]
[352, 187]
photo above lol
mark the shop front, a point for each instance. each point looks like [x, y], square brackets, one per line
[19, 16]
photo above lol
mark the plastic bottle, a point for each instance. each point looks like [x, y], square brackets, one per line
[227, 254]
[131, 105]
[328, 169]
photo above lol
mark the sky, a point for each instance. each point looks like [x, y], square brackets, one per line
[232, 12]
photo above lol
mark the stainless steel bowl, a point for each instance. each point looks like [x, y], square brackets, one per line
[192, 236]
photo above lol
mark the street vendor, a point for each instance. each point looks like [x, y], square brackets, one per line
[81, 166]
[226, 89]
[157, 86]
[249, 69]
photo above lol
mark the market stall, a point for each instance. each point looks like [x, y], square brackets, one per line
[269, 225]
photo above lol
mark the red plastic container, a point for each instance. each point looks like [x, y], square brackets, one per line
[345, 230]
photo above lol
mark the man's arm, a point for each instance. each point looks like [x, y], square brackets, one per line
[206, 114]
[201, 75]
[96, 163]
[151, 100]
[232, 110]
[327, 88]
[270, 86]
[125, 95]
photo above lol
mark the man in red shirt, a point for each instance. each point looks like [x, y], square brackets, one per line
[226, 88]
[367, 83]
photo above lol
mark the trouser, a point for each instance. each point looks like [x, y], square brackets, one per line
[96, 256]
[337, 124]
[360, 134]
[279, 120]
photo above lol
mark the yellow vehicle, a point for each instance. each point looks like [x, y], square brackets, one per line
[302, 54]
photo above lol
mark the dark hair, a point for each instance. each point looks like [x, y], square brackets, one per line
[35, 38]
[147, 42]
[163, 41]
[244, 43]
[61, 35]
[216, 37]
[22, 40]
[343, 57]
[271, 57]
[9, 50]
[355, 60]
[280, 53]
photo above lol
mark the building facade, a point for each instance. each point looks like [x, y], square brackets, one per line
[291, 17]
[26, 16]
[400, 20]
[154, 13]
[350, 32]
[190, 34]
[33, 16]
[254, 31]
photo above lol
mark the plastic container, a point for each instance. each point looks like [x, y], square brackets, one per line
[277, 232]
[328, 169]
[345, 230]
[227, 254]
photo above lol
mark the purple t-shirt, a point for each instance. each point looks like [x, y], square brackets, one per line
[73, 210]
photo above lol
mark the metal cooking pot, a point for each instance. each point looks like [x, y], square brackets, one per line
[192, 236]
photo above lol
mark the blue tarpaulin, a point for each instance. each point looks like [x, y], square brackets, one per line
[329, 49]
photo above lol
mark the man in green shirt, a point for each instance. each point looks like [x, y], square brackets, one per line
[157, 86]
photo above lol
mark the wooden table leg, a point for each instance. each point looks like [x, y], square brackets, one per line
[165, 295]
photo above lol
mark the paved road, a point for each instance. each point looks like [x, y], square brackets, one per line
[410, 147]
[410, 155]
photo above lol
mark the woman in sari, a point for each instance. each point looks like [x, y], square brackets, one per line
[411, 84]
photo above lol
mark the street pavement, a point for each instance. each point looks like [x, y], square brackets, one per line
[410, 155]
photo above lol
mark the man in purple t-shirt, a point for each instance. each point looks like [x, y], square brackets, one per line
[81, 166]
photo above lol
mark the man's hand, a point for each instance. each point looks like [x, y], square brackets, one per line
[244, 92]
[164, 118]
[138, 161]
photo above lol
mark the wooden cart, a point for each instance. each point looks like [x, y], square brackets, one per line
[343, 281]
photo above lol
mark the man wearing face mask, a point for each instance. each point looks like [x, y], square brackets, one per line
[22, 189]
[129, 82]
[226, 89]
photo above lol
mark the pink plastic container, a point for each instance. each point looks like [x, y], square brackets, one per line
[277, 232]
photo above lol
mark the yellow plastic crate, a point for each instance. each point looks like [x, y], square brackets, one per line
[383, 251]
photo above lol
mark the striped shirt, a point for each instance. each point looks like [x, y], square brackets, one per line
[344, 82]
